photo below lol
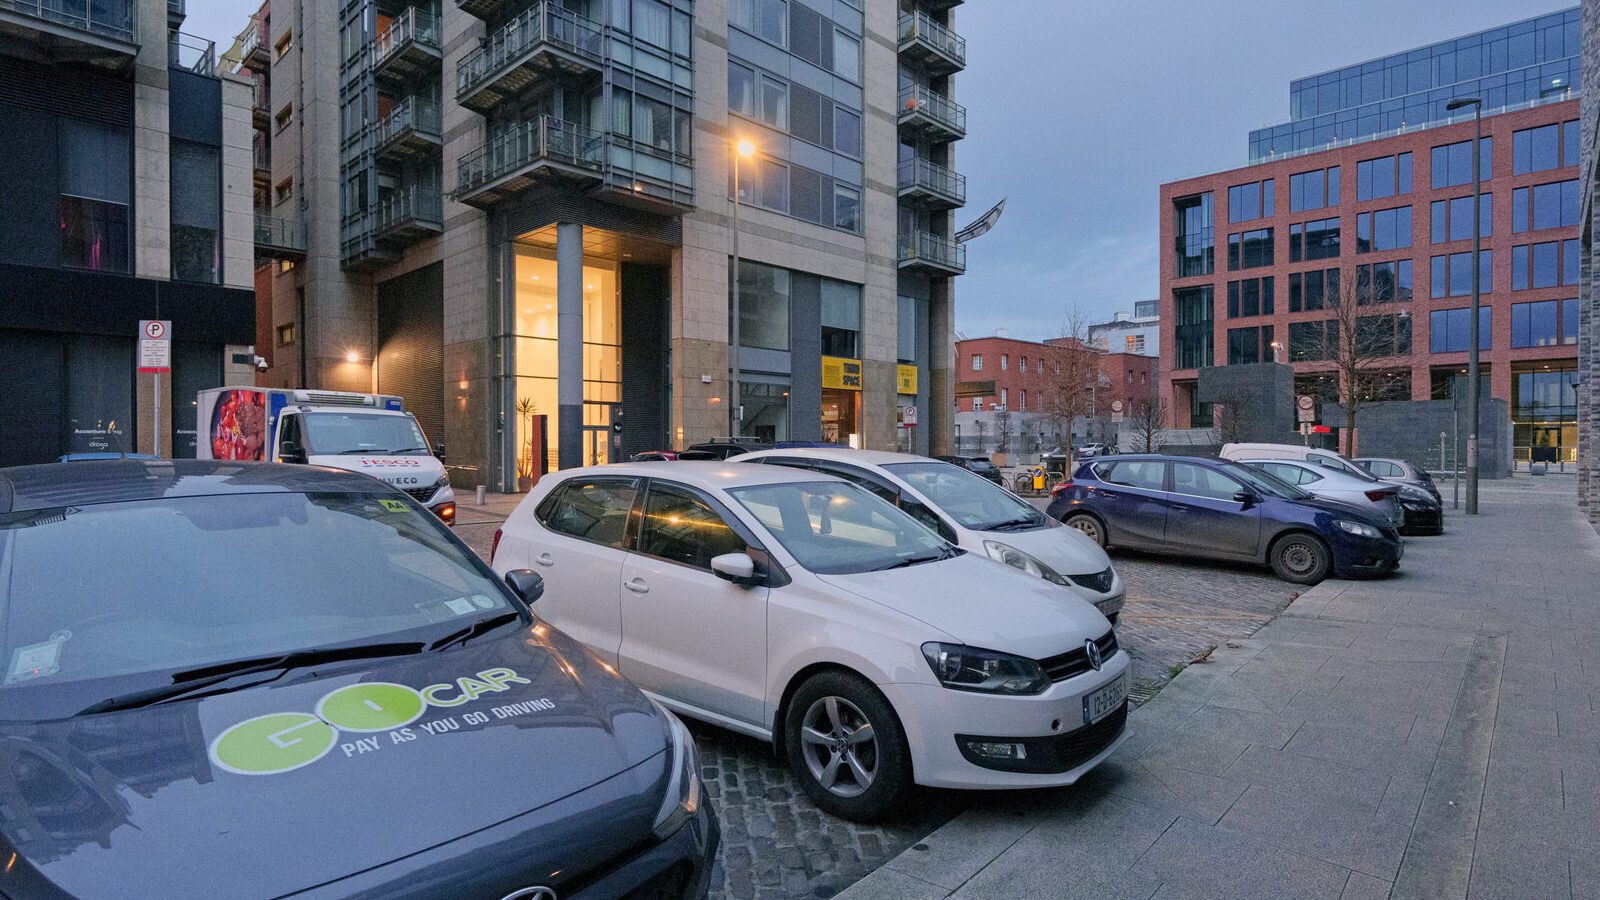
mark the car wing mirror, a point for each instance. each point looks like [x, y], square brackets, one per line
[438, 451]
[291, 452]
[1248, 498]
[738, 568]
[526, 584]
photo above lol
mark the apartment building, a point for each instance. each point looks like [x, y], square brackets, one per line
[1135, 331]
[1367, 197]
[127, 198]
[522, 216]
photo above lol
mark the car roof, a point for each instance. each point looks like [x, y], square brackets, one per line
[705, 474]
[1153, 457]
[845, 455]
[24, 488]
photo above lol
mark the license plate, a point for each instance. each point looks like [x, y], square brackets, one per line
[1103, 702]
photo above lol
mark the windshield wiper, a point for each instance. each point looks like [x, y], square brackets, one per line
[405, 450]
[476, 628]
[1013, 523]
[197, 679]
[909, 561]
[372, 451]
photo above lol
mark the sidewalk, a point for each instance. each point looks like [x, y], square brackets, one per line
[1435, 734]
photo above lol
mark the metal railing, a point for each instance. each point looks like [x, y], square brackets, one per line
[545, 138]
[922, 27]
[178, 7]
[192, 54]
[274, 231]
[918, 100]
[261, 154]
[414, 25]
[543, 22]
[922, 173]
[420, 114]
[417, 203]
[921, 246]
[107, 18]
[252, 38]
[261, 93]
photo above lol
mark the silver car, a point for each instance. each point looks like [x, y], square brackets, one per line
[1400, 472]
[1379, 497]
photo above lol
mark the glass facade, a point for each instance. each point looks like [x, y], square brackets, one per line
[1544, 414]
[1193, 329]
[1194, 236]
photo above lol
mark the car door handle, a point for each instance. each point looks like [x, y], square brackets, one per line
[545, 559]
[1178, 508]
[637, 585]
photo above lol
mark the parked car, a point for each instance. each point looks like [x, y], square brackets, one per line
[973, 514]
[253, 654]
[721, 449]
[1217, 509]
[980, 466]
[1327, 459]
[1400, 471]
[1380, 498]
[101, 457]
[802, 609]
[654, 456]
[1088, 451]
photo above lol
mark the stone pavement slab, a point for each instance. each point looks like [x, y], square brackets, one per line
[1432, 734]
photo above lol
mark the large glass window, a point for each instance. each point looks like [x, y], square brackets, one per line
[1192, 334]
[1250, 201]
[1314, 240]
[764, 296]
[1451, 220]
[1386, 229]
[1546, 264]
[1195, 243]
[1449, 330]
[1554, 205]
[1451, 276]
[1544, 414]
[1547, 323]
[766, 410]
[846, 208]
[846, 55]
[1452, 163]
[1314, 190]
[96, 170]
[741, 90]
[846, 132]
[1249, 345]
[1545, 147]
[196, 195]
[1316, 289]
[1385, 176]
[652, 22]
[766, 18]
[1388, 335]
[774, 108]
[1249, 249]
[841, 319]
[906, 314]
[1383, 282]
[1310, 341]
[1250, 297]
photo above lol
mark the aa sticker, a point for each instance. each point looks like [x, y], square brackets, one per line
[394, 506]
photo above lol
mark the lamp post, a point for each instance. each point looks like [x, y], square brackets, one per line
[1472, 328]
[742, 149]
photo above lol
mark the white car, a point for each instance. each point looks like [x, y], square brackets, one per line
[1378, 497]
[804, 610]
[973, 514]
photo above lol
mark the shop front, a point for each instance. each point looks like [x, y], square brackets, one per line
[841, 400]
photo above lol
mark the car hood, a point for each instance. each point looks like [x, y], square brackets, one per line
[411, 471]
[145, 798]
[1067, 550]
[1347, 510]
[983, 603]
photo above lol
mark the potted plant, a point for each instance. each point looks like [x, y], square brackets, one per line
[526, 409]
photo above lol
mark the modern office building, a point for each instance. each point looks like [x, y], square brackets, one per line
[522, 217]
[1138, 331]
[1254, 259]
[1588, 298]
[127, 198]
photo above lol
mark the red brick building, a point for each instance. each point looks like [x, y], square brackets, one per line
[996, 374]
[1253, 259]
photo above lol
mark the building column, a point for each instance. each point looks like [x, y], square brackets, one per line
[941, 367]
[569, 342]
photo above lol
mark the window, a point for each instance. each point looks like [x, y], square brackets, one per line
[764, 300]
[196, 215]
[1250, 201]
[1452, 219]
[1383, 335]
[846, 132]
[1005, 396]
[1195, 245]
[1449, 330]
[96, 169]
[1192, 334]
[283, 190]
[1199, 481]
[1386, 229]
[1022, 365]
[1247, 345]
[1313, 340]
[1452, 163]
[285, 334]
[1547, 323]
[1314, 240]
[594, 509]
[284, 116]
[1383, 282]
[1250, 297]
[652, 23]
[682, 528]
[1022, 401]
[846, 208]
[1005, 361]
[846, 55]
[772, 185]
[1544, 265]
[977, 362]
[1249, 249]
[281, 47]
[1313, 290]
[769, 19]
[774, 102]
[1385, 176]
[1146, 475]
[1545, 147]
[841, 319]
[1553, 205]
[741, 90]
[1451, 276]
[1314, 190]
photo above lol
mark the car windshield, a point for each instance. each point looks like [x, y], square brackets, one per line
[1341, 465]
[837, 528]
[330, 433]
[975, 502]
[100, 600]
[1265, 483]
[982, 464]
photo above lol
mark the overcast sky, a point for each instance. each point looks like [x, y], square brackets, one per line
[1078, 110]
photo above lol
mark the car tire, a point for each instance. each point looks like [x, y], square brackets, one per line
[1089, 524]
[821, 730]
[1300, 558]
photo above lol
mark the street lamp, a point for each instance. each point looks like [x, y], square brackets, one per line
[1472, 328]
[742, 149]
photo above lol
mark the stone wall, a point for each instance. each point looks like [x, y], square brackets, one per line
[1410, 430]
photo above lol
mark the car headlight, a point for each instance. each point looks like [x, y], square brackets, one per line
[444, 481]
[1016, 559]
[1356, 528]
[965, 668]
[682, 799]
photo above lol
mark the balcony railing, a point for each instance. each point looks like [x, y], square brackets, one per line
[920, 248]
[544, 140]
[543, 23]
[192, 54]
[920, 29]
[920, 176]
[279, 237]
[106, 18]
[419, 115]
[418, 26]
[419, 207]
[923, 106]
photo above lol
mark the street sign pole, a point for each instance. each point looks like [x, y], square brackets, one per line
[155, 428]
[155, 357]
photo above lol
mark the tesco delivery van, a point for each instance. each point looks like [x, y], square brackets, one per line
[367, 433]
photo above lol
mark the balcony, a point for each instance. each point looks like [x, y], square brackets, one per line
[483, 9]
[278, 238]
[941, 5]
[545, 149]
[261, 105]
[933, 254]
[192, 54]
[931, 185]
[98, 32]
[408, 46]
[940, 50]
[410, 214]
[545, 40]
[262, 156]
[411, 128]
[932, 115]
[254, 53]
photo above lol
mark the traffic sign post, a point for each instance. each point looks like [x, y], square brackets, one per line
[155, 357]
[1116, 411]
[1305, 408]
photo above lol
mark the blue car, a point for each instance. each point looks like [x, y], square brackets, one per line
[1222, 510]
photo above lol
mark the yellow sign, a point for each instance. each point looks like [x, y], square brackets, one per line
[841, 374]
[906, 379]
[394, 506]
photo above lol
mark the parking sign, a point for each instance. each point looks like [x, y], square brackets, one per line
[155, 345]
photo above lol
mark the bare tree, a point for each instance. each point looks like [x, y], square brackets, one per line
[1367, 334]
[1147, 420]
[1233, 415]
[982, 429]
[1068, 375]
[1002, 431]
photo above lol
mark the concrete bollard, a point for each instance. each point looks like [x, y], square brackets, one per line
[480, 496]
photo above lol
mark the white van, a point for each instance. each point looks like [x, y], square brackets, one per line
[367, 433]
[1324, 458]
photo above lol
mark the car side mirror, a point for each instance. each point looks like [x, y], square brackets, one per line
[738, 568]
[438, 451]
[1248, 498]
[526, 584]
[290, 452]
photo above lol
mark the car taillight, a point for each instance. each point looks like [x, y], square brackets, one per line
[1061, 488]
[495, 544]
[1378, 494]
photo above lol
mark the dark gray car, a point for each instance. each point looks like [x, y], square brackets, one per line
[1400, 472]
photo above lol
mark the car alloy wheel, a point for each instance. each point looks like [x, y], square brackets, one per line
[840, 746]
[1089, 525]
